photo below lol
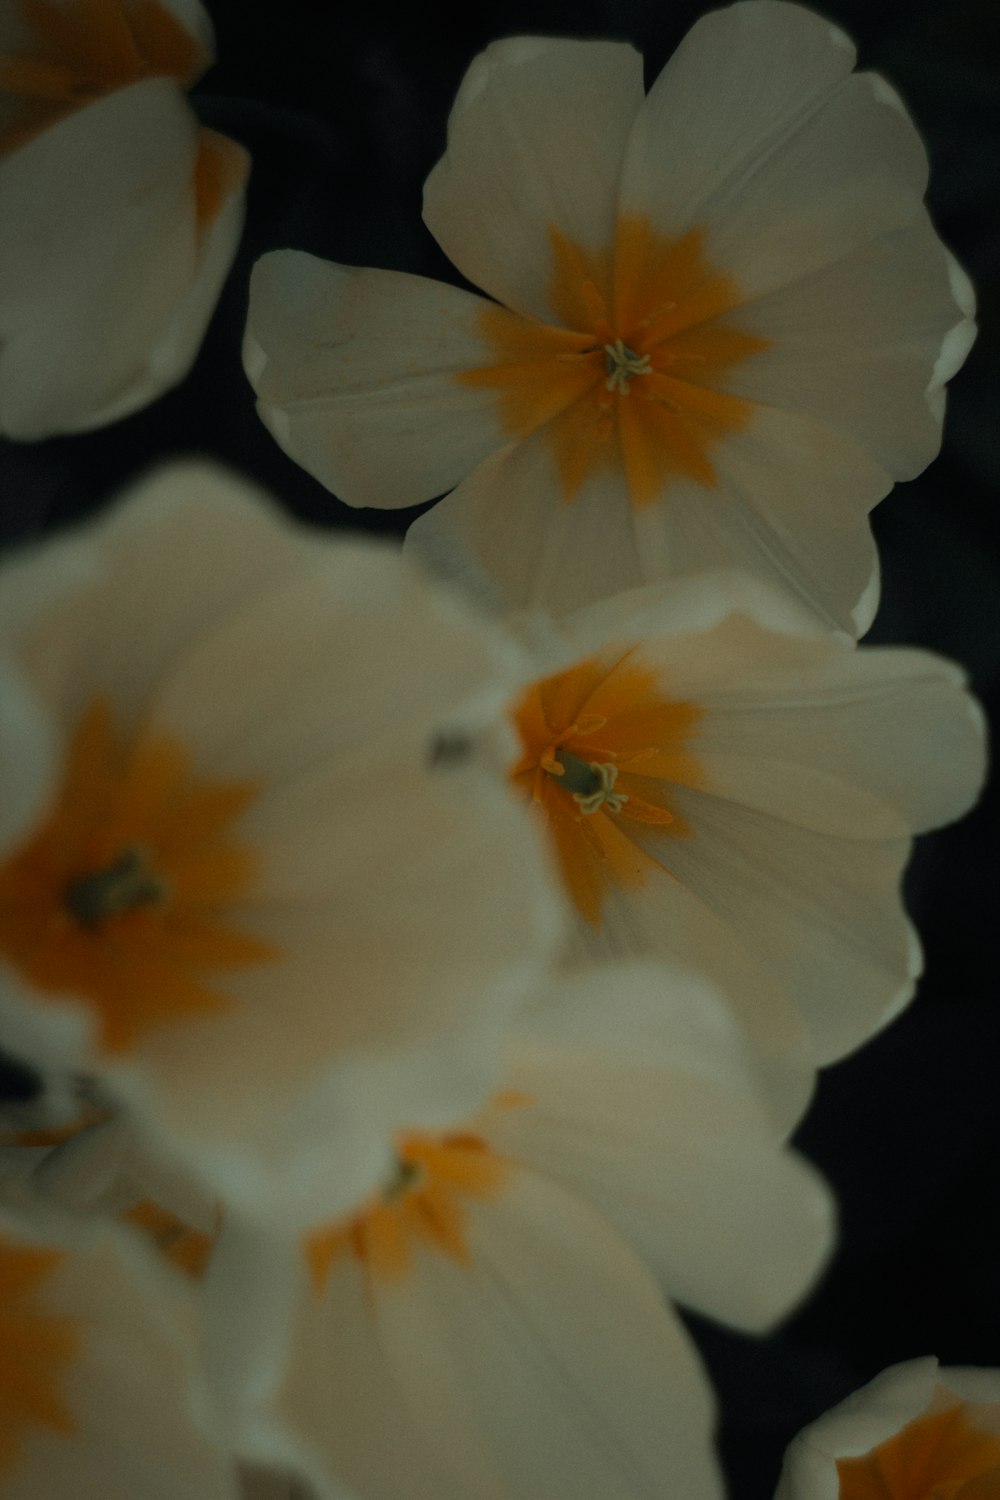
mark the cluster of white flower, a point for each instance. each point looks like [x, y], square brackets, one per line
[427, 955]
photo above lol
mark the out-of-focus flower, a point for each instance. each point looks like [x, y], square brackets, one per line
[260, 876]
[725, 787]
[726, 329]
[915, 1431]
[485, 1325]
[98, 1372]
[120, 215]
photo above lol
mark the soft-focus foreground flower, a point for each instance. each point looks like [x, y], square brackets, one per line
[726, 788]
[98, 1372]
[485, 1326]
[260, 876]
[726, 329]
[120, 216]
[914, 1433]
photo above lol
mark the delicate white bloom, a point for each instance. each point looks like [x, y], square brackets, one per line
[726, 324]
[98, 1372]
[120, 215]
[914, 1431]
[725, 787]
[264, 881]
[485, 1325]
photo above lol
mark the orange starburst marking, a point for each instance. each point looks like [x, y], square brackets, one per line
[633, 377]
[943, 1455]
[602, 746]
[76, 51]
[422, 1206]
[36, 1351]
[121, 896]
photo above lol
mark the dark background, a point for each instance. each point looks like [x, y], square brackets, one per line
[344, 110]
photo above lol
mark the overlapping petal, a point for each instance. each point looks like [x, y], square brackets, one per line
[287, 890]
[730, 324]
[914, 1429]
[111, 274]
[483, 1326]
[762, 773]
[99, 1372]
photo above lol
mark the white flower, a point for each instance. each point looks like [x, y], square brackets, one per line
[120, 215]
[726, 324]
[264, 882]
[98, 1372]
[486, 1327]
[725, 788]
[914, 1431]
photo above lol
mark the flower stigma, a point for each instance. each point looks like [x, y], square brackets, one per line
[122, 886]
[590, 783]
[622, 364]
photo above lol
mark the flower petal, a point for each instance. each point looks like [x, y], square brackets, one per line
[547, 1365]
[356, 377]
[120, 1419]
[756, 129]
[640, 1096]
[535, 143]
[97, 268]
[866, 344]
[507, 537]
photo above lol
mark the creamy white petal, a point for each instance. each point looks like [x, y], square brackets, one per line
[664, 919]
[404, 892]
[865, 345]
[876, 1413]
[507, 537]
[96, 269]
[756, 129]
[641, 1097]
[129, 1388]
[791, 506]
[549, 1365]
[355, 373]
[535, 142]
[823, 913]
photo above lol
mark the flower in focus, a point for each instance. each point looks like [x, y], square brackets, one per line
[121, 216]
[485, 1325]
[722, 329]
[260, 877]
[98, 1372]
[914, 1431]
[723, 787]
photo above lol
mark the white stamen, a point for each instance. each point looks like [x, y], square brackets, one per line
[622, 363]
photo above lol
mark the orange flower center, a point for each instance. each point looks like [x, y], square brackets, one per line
[36, 1350]
[943, 1455]
[76, 51]
[602, 745]
[421, 1206]
[120, 897]
[632, 376]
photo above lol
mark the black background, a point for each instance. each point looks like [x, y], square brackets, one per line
[344, 110]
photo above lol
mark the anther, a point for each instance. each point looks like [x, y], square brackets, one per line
[622, 364]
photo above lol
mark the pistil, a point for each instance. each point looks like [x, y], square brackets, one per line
[122, 887]
[622, 364]
[590, 783]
